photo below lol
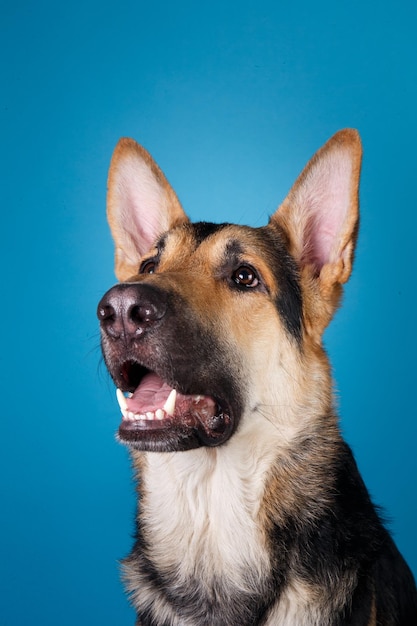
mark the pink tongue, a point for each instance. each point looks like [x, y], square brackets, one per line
[151, 395]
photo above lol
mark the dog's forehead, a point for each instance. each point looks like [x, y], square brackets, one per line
[192, 235]
[218, 249]
[224, 242]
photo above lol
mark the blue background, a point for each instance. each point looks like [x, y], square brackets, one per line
[231, 99]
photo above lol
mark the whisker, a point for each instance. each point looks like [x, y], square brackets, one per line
[267, 412]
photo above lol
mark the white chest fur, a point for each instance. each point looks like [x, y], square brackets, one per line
[200, 514]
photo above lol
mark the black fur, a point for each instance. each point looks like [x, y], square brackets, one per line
[347, 540]
[167, 323]
[289, 300]
[202, 230]
[257, 515]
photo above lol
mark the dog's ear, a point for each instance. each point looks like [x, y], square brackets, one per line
[320, 219]
[141, 205]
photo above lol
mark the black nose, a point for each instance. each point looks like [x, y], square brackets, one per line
[128, 310]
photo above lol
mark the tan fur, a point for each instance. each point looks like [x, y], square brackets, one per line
[216, 518]
[281, 410]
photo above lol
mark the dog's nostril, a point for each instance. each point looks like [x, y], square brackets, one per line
[142, 313]
[106, 312]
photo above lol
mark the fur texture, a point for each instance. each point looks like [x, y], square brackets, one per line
[251, 508]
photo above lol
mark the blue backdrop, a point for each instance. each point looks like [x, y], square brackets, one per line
[231, 99]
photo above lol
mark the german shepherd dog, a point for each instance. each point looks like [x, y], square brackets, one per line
[251, 508]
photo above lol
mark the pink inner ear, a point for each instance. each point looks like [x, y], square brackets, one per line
[326, 197]
[141, 204]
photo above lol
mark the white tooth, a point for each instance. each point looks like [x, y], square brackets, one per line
[169, 406]
[150, 415]
[197, 399]
[121, 400]
[159, 414]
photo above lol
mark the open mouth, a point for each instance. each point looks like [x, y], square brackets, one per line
[157, 416]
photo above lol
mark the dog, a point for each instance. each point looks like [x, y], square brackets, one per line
[251, 509]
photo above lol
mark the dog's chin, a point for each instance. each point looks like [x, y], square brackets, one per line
[158, 416]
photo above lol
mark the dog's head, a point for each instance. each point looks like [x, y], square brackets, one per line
[213, 324]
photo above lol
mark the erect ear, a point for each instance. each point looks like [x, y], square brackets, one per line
[320, 218]
[141, 205]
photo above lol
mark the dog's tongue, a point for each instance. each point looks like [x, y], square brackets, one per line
[151, 394]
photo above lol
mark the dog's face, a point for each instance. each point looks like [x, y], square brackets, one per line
[214, 325]
[205, 300]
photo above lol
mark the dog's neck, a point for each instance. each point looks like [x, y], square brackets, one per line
[193, 502]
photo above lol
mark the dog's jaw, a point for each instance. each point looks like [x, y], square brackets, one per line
[157, 417]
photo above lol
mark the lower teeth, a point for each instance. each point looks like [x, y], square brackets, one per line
[149, 416]
[159, 414]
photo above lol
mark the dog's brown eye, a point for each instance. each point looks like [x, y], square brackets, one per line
[148, 267]
[245, 276]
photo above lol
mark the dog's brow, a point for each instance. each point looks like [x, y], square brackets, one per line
[234, 248]
[203, 230]
[160, 243]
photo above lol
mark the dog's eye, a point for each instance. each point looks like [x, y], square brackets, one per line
[148, 267]
[245, 276]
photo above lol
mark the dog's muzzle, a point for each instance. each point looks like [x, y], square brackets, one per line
[159, 364]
